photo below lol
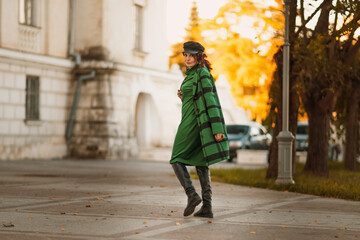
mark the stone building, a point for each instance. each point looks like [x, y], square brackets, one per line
[87, 79]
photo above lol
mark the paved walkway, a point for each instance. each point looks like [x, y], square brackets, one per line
[63, 199]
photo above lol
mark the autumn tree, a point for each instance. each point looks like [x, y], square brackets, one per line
[320, 58]
[245, 60]
[324, 57]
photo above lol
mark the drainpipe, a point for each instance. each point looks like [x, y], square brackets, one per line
[81, 78]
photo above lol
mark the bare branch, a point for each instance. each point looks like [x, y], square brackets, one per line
[323, 21]
[308, 20]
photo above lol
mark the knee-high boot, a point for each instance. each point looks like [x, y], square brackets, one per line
[184, 178]
[204, 177]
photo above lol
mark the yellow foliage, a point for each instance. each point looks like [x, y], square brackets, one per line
[247, 66]
[246, 63]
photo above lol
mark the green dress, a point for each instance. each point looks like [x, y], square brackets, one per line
[187, 146]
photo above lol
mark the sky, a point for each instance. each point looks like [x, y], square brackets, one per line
[178, 13]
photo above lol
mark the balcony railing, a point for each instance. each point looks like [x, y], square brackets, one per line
[29, 38]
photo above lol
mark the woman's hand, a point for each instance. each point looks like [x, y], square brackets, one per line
[219, 137]
[179, 93]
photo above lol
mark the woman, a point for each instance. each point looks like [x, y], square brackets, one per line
[201, 139]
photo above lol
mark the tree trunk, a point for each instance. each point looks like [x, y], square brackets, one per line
[294, 104]
[272, 171]
[352, 129]
[317, 154]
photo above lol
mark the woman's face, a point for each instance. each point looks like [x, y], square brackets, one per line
[189, 60]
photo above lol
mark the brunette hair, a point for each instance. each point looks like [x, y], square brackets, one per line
[201, 59]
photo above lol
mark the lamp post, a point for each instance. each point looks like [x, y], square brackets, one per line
[285, 138]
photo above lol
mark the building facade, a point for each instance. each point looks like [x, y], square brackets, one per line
[87, 79]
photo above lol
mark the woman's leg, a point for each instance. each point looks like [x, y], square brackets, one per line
[184, 178]
[204, 177]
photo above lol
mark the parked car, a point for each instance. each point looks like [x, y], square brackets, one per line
[302, 136]
[247, 136]
[302, 141]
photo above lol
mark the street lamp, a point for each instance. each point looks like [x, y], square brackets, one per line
[285, 138]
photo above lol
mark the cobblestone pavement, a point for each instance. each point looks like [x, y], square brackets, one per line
[83, 199]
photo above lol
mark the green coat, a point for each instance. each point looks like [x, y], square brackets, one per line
[209, 117]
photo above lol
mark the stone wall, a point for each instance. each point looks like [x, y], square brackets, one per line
[21, 139]
[106, 117]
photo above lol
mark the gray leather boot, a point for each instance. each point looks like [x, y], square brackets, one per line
[184, 178]
[204, 177]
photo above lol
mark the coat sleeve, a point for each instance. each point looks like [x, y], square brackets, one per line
[212, 105]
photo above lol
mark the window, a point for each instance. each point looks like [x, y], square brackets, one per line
[27, 12]
[139, 27]
[32, 98]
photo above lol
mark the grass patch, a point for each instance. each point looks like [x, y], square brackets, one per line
[340, 184]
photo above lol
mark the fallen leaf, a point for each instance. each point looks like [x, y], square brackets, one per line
[336, 236]
[341, 228]
[252, 232]
[169, 214]
[283, 226]
[177, 224]
[62, 229]
[209, 221]
[75, 213]
[62, 213]
[286, 191]
[315, 220]
[88, 206]
[162, 185]
[30, 218]
[137, 232]
[144, 222]
[10, 224]
[270, 211]
[99, 198]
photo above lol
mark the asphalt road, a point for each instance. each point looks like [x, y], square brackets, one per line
[83, 199]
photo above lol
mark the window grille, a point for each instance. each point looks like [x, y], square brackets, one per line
[32, 98]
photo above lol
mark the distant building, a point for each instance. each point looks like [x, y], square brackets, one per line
[120, 93]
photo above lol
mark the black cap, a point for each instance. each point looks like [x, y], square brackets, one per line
[193, 47]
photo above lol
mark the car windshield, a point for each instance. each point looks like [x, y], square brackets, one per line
[302, 130]
[237, 129]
